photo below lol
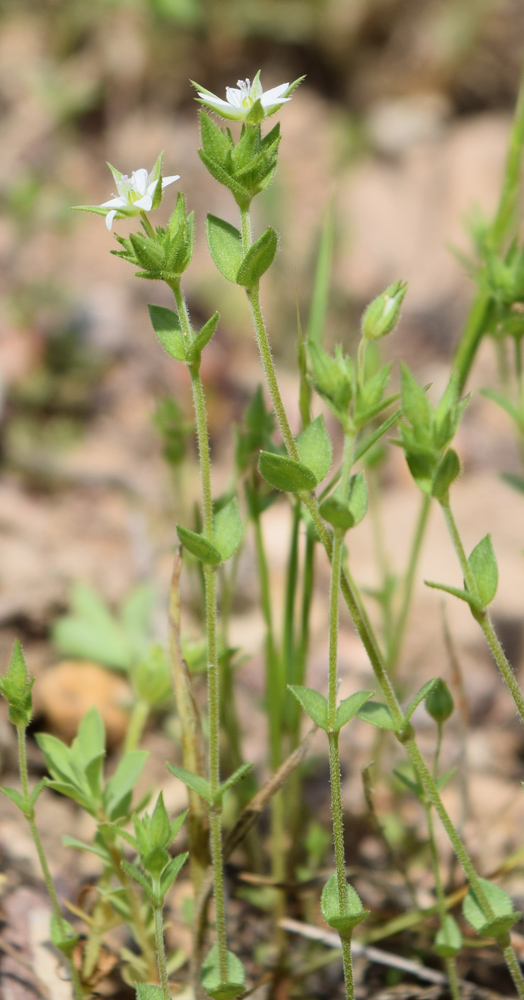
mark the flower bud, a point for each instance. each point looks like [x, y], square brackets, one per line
[439, 703]
[381, 316]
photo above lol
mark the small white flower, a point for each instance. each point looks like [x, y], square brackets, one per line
[247, 101]
[137, 193]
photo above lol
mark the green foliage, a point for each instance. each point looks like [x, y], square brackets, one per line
[153, 835]
[166, 325]
[202, 787]
[448, 940]
[285, 474]
[225, 246]
[314, 704]
[347, 513]
[146, 992]
[428, 432]
[256, 431]
[345, 918]
[258, 259]
[248, 166]
[424, 692]
[227, 536]
[504, 916]
[15, 687]
[378, 714]
[212, 980]
[315, 449]
[174, 429]
[93, 632]
[166, 254]
[483, 565]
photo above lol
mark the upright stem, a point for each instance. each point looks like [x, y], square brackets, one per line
[161, 951]
[450, 963]
[409, 580]
[213, 679]
[51, 891]
[482, 616]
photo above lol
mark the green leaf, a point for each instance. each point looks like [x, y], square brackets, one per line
[343, 922]
[313, 703]
[74, 793]
[88, 848]
[463, 595]
[225, 246]
[166, 325]
[448, 940]
[63, 934]
[146, 992]
[447, 471]
[171, 872]
[139, 877]
[483, 565]
[212, 981]
[337, 513]
[415, 404]
[199, 546]
[368, 441]
[358, 497]
[444, 778]
[233, 779]
[16, 797]
[227, 529]
[426, 689]
[315, 449]
[90, 741]
[378, 714]
[214, 140]
[196, 782]
[119, 788]
[414, 786]
[506, 404]
[57, 757]
[202, 339]
[258, 259]
[92, 632]
[350, 707]
[240, 193]
[504, 915]
[284, 473]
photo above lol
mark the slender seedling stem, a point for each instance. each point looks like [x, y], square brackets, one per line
[482, 616]
[213, 679]
[51, 891]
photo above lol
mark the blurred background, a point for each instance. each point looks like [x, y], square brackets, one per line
[403, 118]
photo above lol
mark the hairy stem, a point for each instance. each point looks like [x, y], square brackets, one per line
[161, 951]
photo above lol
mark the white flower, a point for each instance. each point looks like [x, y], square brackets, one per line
[138, 193]
[249, 102]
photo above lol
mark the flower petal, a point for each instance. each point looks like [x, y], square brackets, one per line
[139, 179]
[109, 220]
[234, 97]
[119, 202]
[169, 180]
[145, 204]
[275, 94]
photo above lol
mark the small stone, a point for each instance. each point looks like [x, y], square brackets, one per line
[65, 692]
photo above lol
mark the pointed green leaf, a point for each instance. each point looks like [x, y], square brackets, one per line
[227, 525]
[415, 404]
[202, 339]
[139, 877]
[420, 695]
[120, 786]
[166, 325]
[358, 497]
[368, 441]
[57, 757]
[351, 707]
[63, 934]
[483, 565]
[444, 778]
[233, 779]
[90, 741]
[313, 703]
[15, 797]
[88, 848]
[225, 246]
[285, 474]
[315, 449]
[378, 714]
[240, 193]
[345, 919]
[146, 992]
[448, 941]
[214, 140]
[171, 872]
[506, 404]
[414, 786]
[199, 546]
[212, 981]
[195, 782]
[504, 916]
[463, 595]
[258, 259]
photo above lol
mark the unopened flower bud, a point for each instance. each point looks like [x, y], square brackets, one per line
[439, 703]
[381, 316]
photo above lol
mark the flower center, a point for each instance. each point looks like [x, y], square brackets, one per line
[250, 92]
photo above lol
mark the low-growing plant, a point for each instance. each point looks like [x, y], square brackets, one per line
[137, 869]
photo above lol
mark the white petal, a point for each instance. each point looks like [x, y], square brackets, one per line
[145, 203]
[109, 220]
[114, 203]
[234, 97]
[140, 179]
[169, 180]
[150, 191]
[275, 94]
[216, 102]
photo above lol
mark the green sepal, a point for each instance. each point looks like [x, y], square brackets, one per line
[448, 940]
[227, 530]
[463, 595]
[315, 449]
[232, 780]
[195, 782]
[483, 565]
[284, 473]
[415, 404]
[166, 325]
[448, 470]
[424, 691]
[501, 904]
[215, 141]
[194, 350]
[439, 702]
[314, 704]
[378, 715]
[199, 546]
[212, 981]
[225, 246]
[350, 707]
[344, 923]
[63, 935]
[258, 259]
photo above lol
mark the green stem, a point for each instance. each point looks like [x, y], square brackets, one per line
[137, 721]
[288, 645]
[450, 963]
[409, 581]
[161, 951]
[213, 679]
[482, 617]
[500, 230]
[51, 891]
[513, 965]
[148, 226]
